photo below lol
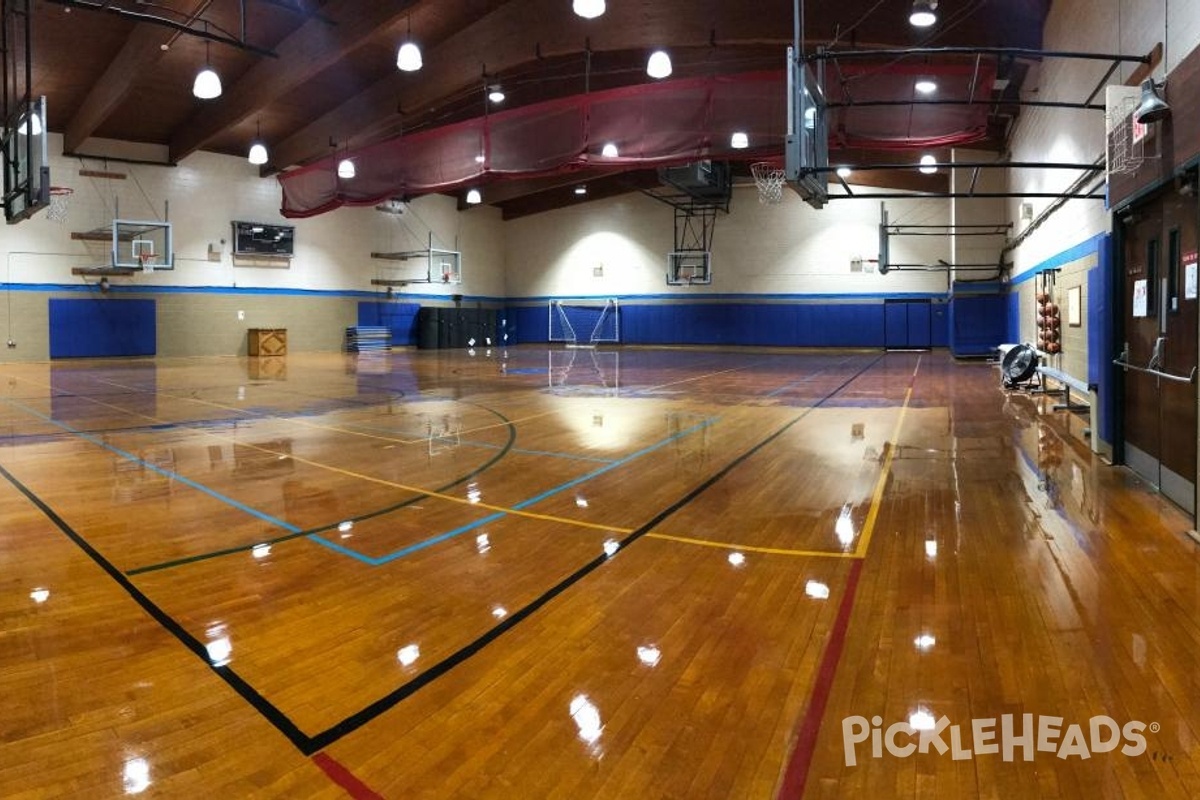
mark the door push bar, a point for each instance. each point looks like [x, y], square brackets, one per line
[1123, 362]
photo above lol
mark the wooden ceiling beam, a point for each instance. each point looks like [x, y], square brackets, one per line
[141, 51]
[312, 48]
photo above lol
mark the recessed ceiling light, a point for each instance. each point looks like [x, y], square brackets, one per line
[581, 190]
[925, 86]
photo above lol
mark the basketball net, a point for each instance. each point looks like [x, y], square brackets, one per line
[147, 261]
[60, 203]
[769, 179]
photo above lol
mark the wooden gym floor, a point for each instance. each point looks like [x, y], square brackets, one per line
[633, 574]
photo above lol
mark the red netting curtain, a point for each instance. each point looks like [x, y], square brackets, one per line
[651, 124]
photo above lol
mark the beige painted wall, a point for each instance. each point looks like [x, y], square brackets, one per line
[1074, 356]
[332, 267]
[788, 248]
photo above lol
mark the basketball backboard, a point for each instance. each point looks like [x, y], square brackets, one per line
[806, 148]
[26, 161]
[142, 244]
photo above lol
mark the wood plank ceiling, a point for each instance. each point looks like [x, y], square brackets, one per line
[324, 72]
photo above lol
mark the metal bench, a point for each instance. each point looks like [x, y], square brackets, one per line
[1068, 383]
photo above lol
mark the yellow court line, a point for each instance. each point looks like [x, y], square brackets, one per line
[317, 425]
[383, 481]
[864, 541]
[751, 549]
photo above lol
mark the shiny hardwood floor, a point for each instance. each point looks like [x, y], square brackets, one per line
[633, 574]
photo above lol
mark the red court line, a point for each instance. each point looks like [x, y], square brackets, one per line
[345, 778]
[796, 775]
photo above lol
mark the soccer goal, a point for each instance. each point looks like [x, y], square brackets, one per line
[585, 323]
[590, 373]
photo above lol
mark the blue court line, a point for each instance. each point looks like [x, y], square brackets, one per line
[166, 473]
[442, 537]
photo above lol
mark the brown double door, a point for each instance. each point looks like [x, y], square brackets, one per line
[1160, 310]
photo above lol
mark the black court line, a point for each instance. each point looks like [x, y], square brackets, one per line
[235, 682]
[369, 713]
[245, 548]
[311, 744]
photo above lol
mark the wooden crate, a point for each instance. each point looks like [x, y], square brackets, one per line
[268, 342]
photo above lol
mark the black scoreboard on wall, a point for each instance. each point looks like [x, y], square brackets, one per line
[261, 239]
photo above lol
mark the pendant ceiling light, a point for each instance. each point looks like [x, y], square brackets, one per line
[659, 64]
[346, 168]
[207, 85]
[474, 198]
[588, 9]
[408, 59]
[258, 150]
[923, 15]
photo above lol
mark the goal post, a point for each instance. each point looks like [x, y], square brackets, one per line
[585, 323]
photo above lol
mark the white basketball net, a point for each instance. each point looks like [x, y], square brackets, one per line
[60, 203]
[769, 180]
[1126, 148]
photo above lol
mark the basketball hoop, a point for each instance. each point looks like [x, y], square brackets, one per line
[146, 260]
[60, 203]
[769, 179]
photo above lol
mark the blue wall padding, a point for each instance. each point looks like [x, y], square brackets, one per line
[920, 319]
[809, 324]
[1101, 348]
[400, 318]
[978, 324]
[940, 327]
[1013, 327]
[895, 323]
[102, 326]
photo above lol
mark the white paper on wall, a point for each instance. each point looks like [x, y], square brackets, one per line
[1139, 298]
